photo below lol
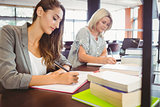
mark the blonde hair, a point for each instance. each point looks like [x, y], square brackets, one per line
[98, 15]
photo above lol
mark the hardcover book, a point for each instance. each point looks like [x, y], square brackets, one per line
[131, 59]
[131, 69]
[115, 97]
[87, 98]
[120, 81]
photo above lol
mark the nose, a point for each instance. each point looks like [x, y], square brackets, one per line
[106, 26]
[57, 24]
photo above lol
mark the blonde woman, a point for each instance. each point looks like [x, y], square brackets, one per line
[89, 45]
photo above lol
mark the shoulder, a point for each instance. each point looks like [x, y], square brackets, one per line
[10, 33]
[83, 33]
[84, 30]
[10, 29]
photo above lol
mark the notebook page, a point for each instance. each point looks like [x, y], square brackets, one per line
[67, 88]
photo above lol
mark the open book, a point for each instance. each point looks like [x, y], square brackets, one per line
[95, 64]
[67, 88]
[98, 64]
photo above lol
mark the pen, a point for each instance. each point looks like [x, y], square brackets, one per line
[60, 66]
[111, 52]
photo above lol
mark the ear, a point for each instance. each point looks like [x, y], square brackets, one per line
[40, 11]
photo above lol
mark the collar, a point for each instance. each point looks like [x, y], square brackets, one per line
[25, 34]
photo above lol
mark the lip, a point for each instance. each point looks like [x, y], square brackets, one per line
[52, 28]
[102, 29]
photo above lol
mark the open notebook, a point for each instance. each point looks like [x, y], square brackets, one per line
[98, 64]
[67, 88]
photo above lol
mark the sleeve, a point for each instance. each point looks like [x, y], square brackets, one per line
[10, 78]
[82, 39]
[64, 61]
[104, 44]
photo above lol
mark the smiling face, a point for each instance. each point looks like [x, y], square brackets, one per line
[103, 24]
[50, 20]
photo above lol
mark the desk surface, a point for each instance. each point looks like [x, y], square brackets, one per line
[43, 98]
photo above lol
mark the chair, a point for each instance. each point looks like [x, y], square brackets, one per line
[114, 47]
[67, 47]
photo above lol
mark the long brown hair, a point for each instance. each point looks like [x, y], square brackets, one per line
[50, 45]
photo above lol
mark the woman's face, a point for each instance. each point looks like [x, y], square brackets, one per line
[103, 24]
[50, 20]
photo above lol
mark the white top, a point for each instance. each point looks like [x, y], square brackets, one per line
[37, 67]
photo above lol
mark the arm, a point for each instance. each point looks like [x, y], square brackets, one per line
[54, 78]
[104, 53]
[57, 77]
[83, 57]
[64, 62]
[11, 77]
[14, 73]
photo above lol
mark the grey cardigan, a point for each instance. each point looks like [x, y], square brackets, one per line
[15, 65]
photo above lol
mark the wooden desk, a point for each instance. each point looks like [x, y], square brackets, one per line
[39, 98]
[43, 98]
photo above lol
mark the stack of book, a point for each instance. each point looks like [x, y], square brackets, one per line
[132, 56]
[131, 59]
[87, 98]
[118, 89]
[113, 89]
[133, 51]
[131, 69]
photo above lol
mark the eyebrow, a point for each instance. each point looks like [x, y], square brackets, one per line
[58, 16]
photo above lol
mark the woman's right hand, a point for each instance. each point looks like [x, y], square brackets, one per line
[65, 77]
[108, 60]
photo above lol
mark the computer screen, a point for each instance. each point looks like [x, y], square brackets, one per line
[130, 43]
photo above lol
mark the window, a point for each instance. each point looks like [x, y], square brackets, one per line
[12, 15]
[24, 12]
[155, 35]
[117, 32]
[75, 20]
[134, 17]
[7, 15]
[23, 15]
[7, 11]
[68, 31]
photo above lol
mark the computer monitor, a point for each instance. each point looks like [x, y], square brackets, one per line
[130, 43]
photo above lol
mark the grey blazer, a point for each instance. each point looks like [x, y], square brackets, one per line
[15, 66]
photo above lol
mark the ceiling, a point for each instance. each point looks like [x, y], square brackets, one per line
[111, 5]
[20, 2]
